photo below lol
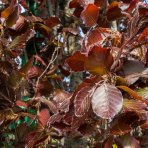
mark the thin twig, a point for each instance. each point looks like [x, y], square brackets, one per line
[53, 58]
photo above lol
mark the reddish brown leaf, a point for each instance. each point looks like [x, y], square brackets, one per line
[19, 41]
[144, 126]
[133, 93]
[133, 70]
[39, 59]
[100, 3]
[54, 118]
[13, 17]
[6, 12]
[52, 22]
[120, 129]
[51, 105]
[76, 61]
[78, 121]
[24, 70]
[62, 100]
[109, 142]
[34, 72]
[68, 117]
[143, 9]
[74, 31]
[132, 119]
[99, 60]
[132, 6]
[73, 4]
[20, 23]
[34, 19]
[143, 36]
[44, 88]
[82, 101]
[44, 116]
[90, 15]
[114, 11]
[62, 127]
[126, 1]
[93, 38]
[78, 11]
[107, 101]
[21, 103]
[87, 129]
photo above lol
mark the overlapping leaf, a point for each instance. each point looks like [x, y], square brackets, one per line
[114, 11]
[52, 22]
[62, 100]
[107, 101]
[90, 15]
[19, 41]
[44, 116]
[99, 60]
[94, 38]
[82, 101]
[76, 61]
[6, 12]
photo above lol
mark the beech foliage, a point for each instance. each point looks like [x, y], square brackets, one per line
[77, 69]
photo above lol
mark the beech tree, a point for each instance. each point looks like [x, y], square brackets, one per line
[73, 74]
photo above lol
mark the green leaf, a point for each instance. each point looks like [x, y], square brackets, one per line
[25, 98]
[31, 111]
[26, 119]
[12, 126]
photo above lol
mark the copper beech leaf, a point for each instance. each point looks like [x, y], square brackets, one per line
[13, 17]
[114, 11]
[143, 36]
[6, 12]
[87, 129]
[54, 118]
[90, 15]
[19, 41]
[52, 22]
[109, 142]
[73, 4]
[82, 101]
[100, 3]
[68, 117]
[51, 105]
[44, 116]
[94, 38]
[76, 61]
[99, 60]
[20, 24]
[107, 101]
[120, 129]
[62, 100]
[34, 72]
